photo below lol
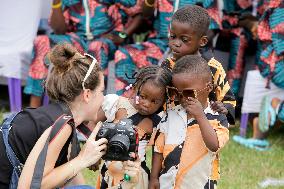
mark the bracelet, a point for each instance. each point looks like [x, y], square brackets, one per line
[56, 6]
[148, 4]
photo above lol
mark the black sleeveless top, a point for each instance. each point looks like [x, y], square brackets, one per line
[27, 127]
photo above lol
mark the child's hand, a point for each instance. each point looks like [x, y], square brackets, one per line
[154, 183]
[193, 107]
[218, 107]
[133, 170]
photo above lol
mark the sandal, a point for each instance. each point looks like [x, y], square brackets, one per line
[257, 144]
[265, 110]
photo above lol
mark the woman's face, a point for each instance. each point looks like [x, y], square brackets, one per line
[97, 98]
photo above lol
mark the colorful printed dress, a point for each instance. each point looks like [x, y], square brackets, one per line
[87, 21]
[271, 41]
[132, 57]
[239, 38]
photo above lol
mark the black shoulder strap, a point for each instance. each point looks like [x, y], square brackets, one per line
[56, 127]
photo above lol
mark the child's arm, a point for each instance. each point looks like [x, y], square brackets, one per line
[209, 136]
[157, 160]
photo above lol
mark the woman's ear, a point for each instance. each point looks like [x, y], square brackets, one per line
[203, 41]
[86, 95]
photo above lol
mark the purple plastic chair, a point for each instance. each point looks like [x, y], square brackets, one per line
[45, 100]
[15, 94]
[244, 123]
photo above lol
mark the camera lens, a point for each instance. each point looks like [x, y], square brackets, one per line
[119, 144]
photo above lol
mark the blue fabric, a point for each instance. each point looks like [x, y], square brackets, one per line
[34, 87]
[280, 113]
[17, 166]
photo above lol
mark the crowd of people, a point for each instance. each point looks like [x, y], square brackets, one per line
[177, 94]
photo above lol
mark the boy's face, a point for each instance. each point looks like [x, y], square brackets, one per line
[184, 40]
[186, 81]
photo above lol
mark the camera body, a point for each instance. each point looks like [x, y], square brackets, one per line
[122, 140]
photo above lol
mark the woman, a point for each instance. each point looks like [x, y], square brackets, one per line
[76, 86]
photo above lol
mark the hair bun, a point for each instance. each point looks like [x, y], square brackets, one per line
[61, 55]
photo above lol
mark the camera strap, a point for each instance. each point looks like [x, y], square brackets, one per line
[56, 127]
[82, 128]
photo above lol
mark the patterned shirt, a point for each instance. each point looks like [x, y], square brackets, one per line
[188, 163]
[222, 90]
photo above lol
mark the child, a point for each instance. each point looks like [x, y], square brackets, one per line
[187, 35]
[190, 136]
[148, 99]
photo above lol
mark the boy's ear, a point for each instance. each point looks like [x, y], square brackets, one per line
[210, 87]
[203, 40]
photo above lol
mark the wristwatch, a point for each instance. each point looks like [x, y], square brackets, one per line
[122, 35]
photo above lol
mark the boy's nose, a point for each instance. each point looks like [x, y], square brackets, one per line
[177, 43]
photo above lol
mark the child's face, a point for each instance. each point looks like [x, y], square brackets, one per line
[184, 82]
[151, 98]
[184, 40]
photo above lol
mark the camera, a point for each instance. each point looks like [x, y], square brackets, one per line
[122, 140]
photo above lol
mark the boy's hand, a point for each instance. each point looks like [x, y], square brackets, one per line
[193, 107]
[218, 107]
[154, 183]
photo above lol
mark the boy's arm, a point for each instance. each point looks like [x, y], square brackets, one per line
[194, 108]
[157, 160]
[214, 136]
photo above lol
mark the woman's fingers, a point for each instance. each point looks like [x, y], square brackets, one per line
[102, 141]
[96, 130]
[101, 147]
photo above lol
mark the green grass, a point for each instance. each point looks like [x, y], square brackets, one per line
[241, 168]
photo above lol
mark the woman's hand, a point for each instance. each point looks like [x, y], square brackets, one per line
[93, 150]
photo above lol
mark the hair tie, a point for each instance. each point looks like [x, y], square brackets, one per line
[137, 99]
[128, 87]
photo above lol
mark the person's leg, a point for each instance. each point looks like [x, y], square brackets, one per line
[37, 71]
[103, 50]
[257, 134]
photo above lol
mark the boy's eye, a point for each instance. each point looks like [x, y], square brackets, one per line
[142, 97]
[184, 39]
[156, 101]
[172, 36]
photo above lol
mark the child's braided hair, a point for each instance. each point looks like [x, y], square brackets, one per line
[158, 75]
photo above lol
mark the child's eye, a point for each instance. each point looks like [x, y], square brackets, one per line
[172, 36]
[142, 97]
[184, 40]
[156, 101]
